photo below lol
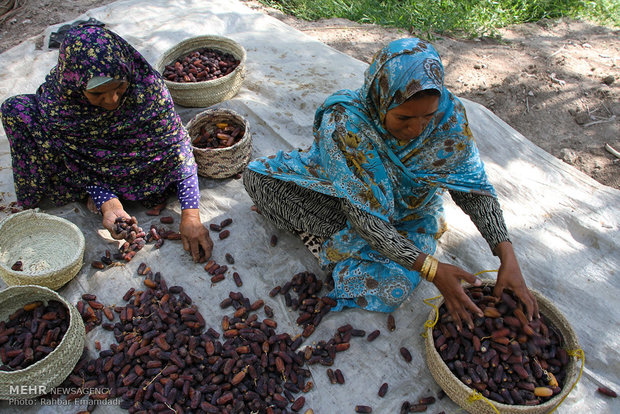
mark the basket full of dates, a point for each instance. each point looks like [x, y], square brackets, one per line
[41, 340]
[506, 363]
[203, 70]
[221, 141]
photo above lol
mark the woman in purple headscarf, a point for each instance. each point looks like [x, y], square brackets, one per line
[103, 127]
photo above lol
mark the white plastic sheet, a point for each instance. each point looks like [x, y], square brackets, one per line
[564, 225]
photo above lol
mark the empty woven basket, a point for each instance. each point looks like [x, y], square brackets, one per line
[220, 162]
[39, 378]
[50, 248]
[206, 93]
[461, 394]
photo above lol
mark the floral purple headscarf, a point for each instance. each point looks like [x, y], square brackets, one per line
[136, 150]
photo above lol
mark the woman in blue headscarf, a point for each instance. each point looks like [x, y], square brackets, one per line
[103, 125]
[370, 186]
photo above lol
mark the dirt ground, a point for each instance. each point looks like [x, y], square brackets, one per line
[556, 82]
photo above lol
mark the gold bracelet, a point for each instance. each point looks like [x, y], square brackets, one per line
[432, 271]
[426, 265]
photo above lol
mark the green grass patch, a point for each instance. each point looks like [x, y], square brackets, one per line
[461, 18]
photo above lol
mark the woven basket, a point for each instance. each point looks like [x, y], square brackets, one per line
[220, 162]
[206, 93]
[50, 248]
[461, 393]
[39, 378]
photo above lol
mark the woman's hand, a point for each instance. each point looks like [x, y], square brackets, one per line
[195, 235]
[460, 306]
[111, 210]
[509, 277]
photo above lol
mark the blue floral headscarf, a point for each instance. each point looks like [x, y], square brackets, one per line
[354, 157]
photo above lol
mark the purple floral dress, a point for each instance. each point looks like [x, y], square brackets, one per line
[60, 143]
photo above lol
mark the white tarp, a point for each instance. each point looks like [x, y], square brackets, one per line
[564, 225]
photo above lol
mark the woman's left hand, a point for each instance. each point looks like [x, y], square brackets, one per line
[195, 235]
[509, 277]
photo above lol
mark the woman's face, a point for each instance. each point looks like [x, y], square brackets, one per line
[108, 95]
[407, 121]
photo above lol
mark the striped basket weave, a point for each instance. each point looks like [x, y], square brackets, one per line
[39, 378]
[220, 162]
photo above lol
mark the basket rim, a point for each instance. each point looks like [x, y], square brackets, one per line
[180, 49]
[552, 402]
[215, 111]
[72, 315]
[35, 214]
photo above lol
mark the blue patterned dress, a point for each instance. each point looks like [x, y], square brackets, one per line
[354, 157]
[60, 143]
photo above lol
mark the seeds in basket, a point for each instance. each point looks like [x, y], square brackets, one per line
[505, 357]
[201, 65]
[31, 333]
[225, 134]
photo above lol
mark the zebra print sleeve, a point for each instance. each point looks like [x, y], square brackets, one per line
[486, 213]
[382, 236]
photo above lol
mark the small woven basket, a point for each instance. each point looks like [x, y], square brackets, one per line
[39, 378]
[206, 93]
[220, 162]
[50, 248]
[461, 394]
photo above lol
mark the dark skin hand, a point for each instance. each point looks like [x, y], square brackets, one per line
[509, 277]
[111, 210]
[194, 234]
[448, 280]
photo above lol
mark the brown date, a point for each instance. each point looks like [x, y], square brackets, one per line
[237, 279]
[404, 352]
[229, 258]
[607, 391]
[383, 389]
[373, 335]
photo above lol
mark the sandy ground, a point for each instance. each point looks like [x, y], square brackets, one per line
[556, 82]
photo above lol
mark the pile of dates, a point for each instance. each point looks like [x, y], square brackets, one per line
[223, 135]
[505, 357]
[31, 333]
[311, 308]
[201, 65]
[166, 358]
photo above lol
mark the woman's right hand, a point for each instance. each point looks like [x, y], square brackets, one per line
[111, 210]
[448, 280]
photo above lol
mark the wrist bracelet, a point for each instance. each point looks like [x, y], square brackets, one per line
[432, 271]
[426, 265]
